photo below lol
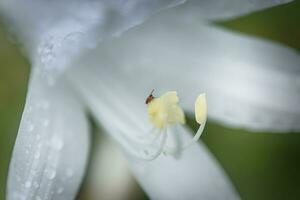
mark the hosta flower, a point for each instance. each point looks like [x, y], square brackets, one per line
[104, 57]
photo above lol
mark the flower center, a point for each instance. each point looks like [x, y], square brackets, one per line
[165, 112]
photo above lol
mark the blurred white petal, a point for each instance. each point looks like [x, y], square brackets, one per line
[55, 32]
[250, 82]
[222, 9]
[109, 177]
[194, 174]
[51, 149]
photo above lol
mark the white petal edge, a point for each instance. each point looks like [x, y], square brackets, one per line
[52, 144]
[250, 83]
[222, 10]
[123, 116]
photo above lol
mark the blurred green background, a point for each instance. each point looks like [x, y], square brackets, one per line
[262, 166]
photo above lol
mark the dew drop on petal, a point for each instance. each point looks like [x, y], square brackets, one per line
[45, 122]
[30, 127]
[39, 144]
[27, 184]
[37, 155]
[36, 185]
[29, 109]
[60, 190]
[50, 173]
[57, 143]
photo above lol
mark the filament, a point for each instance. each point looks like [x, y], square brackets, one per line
[174, 150]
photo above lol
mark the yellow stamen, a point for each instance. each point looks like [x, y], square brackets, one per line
[201, 109]
[165, 110]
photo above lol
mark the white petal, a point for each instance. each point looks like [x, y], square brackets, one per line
[250, 82]
[222, 9]
[55, 32]
[51, 149]
[193, 175]
[109, 177]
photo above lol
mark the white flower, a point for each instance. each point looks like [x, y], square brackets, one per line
[82, 62]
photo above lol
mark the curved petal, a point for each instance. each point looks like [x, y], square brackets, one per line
[250, 82]
[224, 9]
[54, 32]
[192, 174]
[196, 175]
[51, 149]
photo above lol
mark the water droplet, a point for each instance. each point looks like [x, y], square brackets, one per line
[40, 144]
[57, 143]
[29, 109]
[28, 184]
[43, 104]
[51, 173]
[46, 122]
[37, 155]
[30, 127]
[69, 172]
[60, 190]
[36, 184]
[46, 51]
